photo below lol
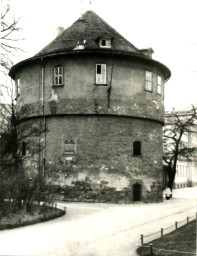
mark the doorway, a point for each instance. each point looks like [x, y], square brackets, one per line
[137, 190]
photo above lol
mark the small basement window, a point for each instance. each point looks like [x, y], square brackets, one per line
[136, 148]
[159, 85]
[100, 73]
[148, 81]
[105, 43]
[58, 76]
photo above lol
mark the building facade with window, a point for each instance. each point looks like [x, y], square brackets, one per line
[186, 168]
[101, 100]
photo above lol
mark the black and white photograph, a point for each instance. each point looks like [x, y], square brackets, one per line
[98, 128]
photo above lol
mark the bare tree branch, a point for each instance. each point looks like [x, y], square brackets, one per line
[178, 124]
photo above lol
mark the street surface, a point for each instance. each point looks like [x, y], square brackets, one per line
[98, 229]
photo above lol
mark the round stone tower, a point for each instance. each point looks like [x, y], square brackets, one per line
[101, 102]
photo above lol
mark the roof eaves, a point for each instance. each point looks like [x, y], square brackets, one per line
[165, 70]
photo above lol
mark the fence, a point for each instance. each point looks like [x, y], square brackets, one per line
[163, 231]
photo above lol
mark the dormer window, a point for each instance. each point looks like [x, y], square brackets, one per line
[105, 43]
[80, 45]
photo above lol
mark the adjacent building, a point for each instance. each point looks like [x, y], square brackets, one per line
[186, 173]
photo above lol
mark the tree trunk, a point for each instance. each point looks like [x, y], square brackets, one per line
[172, 174]
[171, 180]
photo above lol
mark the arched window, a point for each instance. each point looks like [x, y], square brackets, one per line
[136, 148]
[23, 148]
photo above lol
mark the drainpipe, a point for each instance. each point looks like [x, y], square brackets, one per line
[110, 83]
[44, 119]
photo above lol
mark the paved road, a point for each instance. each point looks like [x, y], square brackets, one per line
[98, 229]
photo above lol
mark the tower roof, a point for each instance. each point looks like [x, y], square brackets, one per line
[85, 36]
[88, 30]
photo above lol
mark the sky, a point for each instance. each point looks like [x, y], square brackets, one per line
[168, 26]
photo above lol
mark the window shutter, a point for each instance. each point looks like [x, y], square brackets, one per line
[158, 84]
[108, 43]
[103, 73]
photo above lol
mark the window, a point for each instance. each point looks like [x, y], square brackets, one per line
[105, 43]
[17, 87]
[136, 148]
[159, 85]
[69, 146]
[100, 73]
[148, 81]
[80, 45]
[58, 75]
[23, 148]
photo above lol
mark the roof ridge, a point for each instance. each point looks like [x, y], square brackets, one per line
[96, 25]
[113, 29]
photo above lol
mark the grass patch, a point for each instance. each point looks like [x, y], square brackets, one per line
[183, 240]
[39, 214]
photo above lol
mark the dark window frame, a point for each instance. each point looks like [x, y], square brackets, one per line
[58, 75]
[137, 148]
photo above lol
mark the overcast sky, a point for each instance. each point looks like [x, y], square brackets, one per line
[168, 26]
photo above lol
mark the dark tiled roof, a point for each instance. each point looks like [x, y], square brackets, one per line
[90, 27]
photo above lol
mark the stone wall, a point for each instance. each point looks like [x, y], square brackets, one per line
[103, 167]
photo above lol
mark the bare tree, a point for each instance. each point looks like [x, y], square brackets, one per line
[9, 36]
[179, 125]
[21, 147]
[18, 142]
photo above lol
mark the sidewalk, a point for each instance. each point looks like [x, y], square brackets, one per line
[98, 229]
